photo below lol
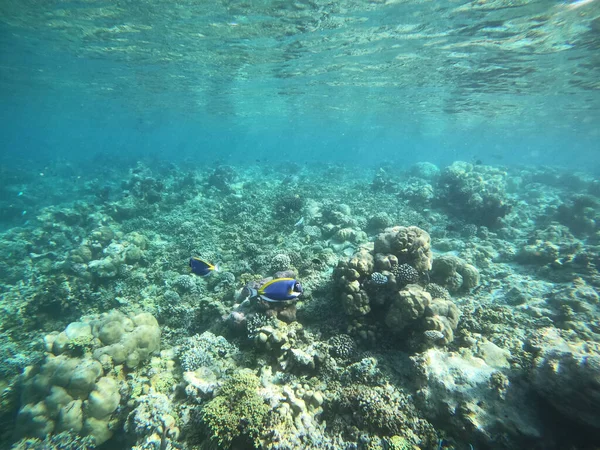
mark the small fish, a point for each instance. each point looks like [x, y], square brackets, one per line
[300, 222]
[278, 290]
[202, 268]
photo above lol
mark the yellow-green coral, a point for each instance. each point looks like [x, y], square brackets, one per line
[80, 345]
[398, 443]
[238, 413]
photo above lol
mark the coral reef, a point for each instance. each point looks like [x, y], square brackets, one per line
[478, 325]
[475, 193]
[205, 350]
[402, 254]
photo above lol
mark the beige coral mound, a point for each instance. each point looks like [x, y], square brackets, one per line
[408, 305]
[75, 388]
[454, 274]
[411, 245]
[442, 316]
[350, 276]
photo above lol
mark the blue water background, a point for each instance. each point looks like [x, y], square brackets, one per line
[44, 120]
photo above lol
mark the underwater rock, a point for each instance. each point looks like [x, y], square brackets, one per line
[442, 316]
[567, 374]
[289, 206]
[580, 214]
[395, 289]
[365, 371]
[576, 307]
[379, 222]
[538, 253]
[200, 384]
[103, 268]
[288, 343]
[470, 393]
[151, 422]
[338, 214]
[425, 170]
[383, 182]
[418, 192]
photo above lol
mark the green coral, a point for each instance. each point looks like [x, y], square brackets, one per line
[80, 345]
[398, 443]
[382, 411]
[238, 414]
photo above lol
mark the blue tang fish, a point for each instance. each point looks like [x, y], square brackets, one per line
[202, 268]
[278, 290]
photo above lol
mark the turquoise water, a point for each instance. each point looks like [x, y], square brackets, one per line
[425, 173]
[343, 81]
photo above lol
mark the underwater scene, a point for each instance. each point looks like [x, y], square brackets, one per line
[301, 224]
